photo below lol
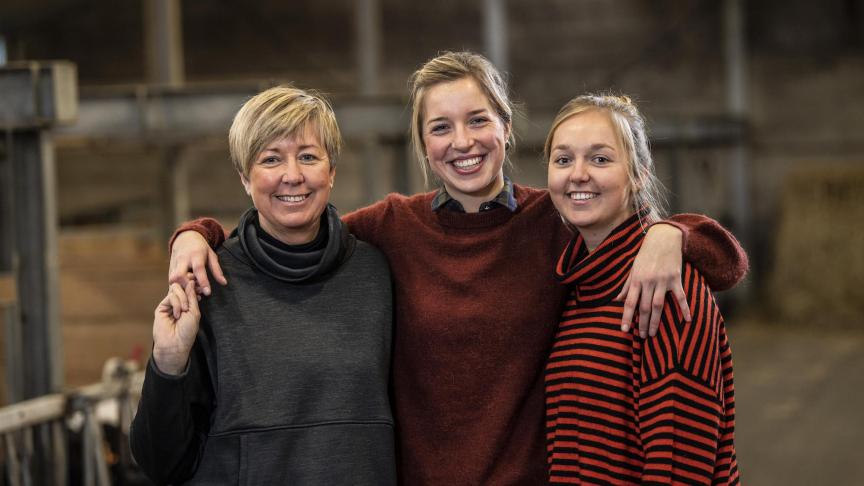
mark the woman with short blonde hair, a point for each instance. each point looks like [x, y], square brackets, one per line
[282, 376]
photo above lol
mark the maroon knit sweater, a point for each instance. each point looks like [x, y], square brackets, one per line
[477, 305]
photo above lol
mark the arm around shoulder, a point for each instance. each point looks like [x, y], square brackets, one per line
[209, 228]
[712, 249]
[367, 223]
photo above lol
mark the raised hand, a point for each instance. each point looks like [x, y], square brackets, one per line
[175, 326]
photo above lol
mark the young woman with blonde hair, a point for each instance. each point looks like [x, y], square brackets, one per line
[621, 409]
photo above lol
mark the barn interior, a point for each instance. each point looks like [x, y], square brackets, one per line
[114, 119]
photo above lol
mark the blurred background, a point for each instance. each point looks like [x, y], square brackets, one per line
[113, 124]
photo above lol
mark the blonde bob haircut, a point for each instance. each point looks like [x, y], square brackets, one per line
[645, 189]
[282, 111]
[453, 66]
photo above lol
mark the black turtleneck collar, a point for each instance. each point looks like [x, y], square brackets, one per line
[296, 263]
[317, 243]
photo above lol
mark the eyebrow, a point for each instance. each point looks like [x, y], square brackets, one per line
[470, 113]
[300, 148]
[595, 146]
[308, 146]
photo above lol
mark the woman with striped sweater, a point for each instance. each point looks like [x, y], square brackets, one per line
[622, 409]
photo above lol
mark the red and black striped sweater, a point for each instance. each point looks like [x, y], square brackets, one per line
[623, 410]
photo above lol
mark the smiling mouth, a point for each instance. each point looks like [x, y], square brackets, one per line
[582, 196]
[469, 164]
[292, 198]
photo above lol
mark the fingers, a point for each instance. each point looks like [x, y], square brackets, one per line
[630, 306]
[623, 294]
[657, 305]
[178, 300]
[192, 298]
[681, 299]
[645, 302]
[177, 270]
[215, 268]
[165, 308]
[200, 272]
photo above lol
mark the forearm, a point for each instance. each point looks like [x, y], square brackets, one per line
[164, 437]
[209, 228]
[712, 249]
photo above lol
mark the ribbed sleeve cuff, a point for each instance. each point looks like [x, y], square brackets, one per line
[209, 228]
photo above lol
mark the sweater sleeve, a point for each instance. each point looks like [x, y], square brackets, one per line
[712, 249]
[367, 224]
[686, 401]
[209, 228]
[169, 430]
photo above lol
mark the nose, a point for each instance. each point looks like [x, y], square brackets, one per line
[462, 140]
[579, 171]
[292, 173]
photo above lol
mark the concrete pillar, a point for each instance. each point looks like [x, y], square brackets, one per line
[163, 36]
[174, 185]
[368, 30]
[368, 24]
[495, 33]
[737, 104]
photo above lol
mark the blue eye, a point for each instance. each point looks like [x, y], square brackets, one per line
[439, 128]
[270, 160]
[480, 120]
[602, 159]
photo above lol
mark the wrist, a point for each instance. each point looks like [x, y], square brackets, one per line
[666, 234]
[170, 362]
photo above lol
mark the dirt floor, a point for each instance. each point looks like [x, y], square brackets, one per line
[800, 404]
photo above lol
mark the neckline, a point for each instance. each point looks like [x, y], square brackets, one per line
[483, 219]
[599, 275]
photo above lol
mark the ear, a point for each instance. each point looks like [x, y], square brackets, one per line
[246, 184]
[332, 176]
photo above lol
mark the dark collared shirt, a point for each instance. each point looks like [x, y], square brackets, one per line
[505, 198]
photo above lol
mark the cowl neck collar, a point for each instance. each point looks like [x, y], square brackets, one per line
[598, 276]
[281, 263]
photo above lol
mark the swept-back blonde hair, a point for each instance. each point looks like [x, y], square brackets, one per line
[282, 111]
[645, 189]
[453, 66]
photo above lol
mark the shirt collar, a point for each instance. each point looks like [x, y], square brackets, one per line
[505, 198]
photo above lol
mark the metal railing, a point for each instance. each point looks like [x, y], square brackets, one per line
[50, 419]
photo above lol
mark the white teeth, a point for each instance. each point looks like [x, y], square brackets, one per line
[465, 163]
[581, 196]
[291, 198]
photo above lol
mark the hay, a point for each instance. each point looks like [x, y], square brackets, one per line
[818, 276]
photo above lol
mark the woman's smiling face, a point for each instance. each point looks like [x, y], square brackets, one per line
[465, 141]
[588, 175]
[290, 183]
